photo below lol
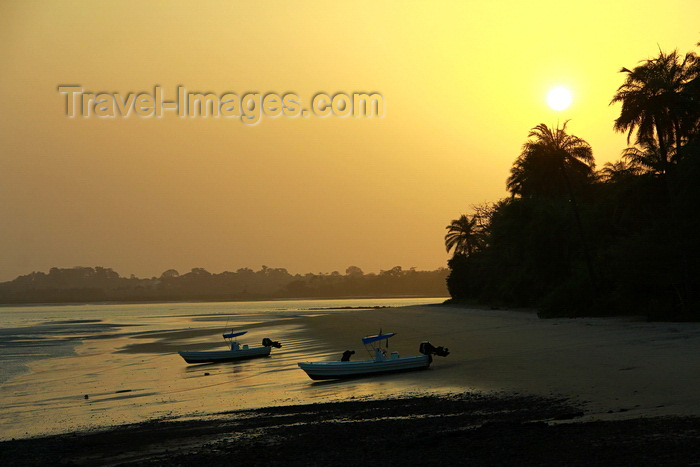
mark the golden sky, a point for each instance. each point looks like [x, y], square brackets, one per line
[462, 84]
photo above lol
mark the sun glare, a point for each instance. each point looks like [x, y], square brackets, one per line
[559, 98]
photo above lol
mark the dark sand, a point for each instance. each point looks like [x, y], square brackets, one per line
[449, 430]
[515, 390]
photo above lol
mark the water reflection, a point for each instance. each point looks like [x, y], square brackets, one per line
[125, 361]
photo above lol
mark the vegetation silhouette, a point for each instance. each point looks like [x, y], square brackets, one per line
[87, 284]
[629, 229]
[658, 102]
[464, 235]
[553, 163]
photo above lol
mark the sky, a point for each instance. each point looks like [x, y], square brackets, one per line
[461, 83]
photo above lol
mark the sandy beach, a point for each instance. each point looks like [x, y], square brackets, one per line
[510, 378]
[614, 367]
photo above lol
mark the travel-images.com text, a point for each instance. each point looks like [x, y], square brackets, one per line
[249, 107]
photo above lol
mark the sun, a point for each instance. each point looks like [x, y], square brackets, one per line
[559, 98]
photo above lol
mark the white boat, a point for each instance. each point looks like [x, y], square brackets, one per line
[236, 351]
[380, 362]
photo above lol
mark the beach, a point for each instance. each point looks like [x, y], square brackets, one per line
[510, 377]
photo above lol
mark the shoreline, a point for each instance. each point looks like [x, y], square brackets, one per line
[486, 429]
[214, 300]
[608, 372]
[618, 367]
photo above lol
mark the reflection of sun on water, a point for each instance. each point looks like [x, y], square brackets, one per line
[559, 98]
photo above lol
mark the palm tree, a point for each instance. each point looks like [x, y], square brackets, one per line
[692, 94]
[548, 158]
[620, 170]
[661, 101]
[656, 102]
[464, 235]
[551, 160]
[648, 158]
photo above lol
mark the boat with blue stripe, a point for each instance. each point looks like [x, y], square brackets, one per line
[381, 361]
[236, 351]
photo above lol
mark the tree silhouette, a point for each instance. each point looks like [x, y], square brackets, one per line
[647, 159]
[613, 172]
[640, 243]
[659, 102]
[464, 235]
[552, 163]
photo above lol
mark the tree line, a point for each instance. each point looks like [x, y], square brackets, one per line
[88, 284]
[572, 240]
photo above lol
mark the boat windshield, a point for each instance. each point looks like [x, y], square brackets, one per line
[377, 351]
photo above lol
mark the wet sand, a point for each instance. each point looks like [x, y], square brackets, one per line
[469, 429]
[617, 379]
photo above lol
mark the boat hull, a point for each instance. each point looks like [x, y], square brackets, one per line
[216, 356]
[341, 370]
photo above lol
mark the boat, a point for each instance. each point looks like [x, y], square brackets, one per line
[236, 351]
[379, 363]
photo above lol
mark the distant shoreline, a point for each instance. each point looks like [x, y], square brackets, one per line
[104, 285]
[213, 300]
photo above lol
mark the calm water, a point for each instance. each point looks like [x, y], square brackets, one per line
[29, 333]
[73, 367]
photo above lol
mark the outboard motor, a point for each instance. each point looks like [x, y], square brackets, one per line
[426, 348]
[270, 343]
[346, 355]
